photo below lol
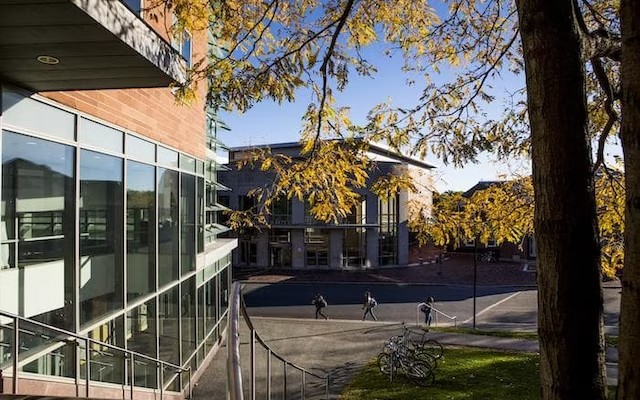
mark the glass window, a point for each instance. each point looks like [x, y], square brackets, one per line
[37, 229]
[141, 338]
[188, 223]
[106, 363]
[210, 305]
[188, 318]
[36, 116]
[281, 211]
[224, 290]
[200, 167]
[100, 136]
[187, 163]
[141, 222]
[167, 157]
[353, 247]
[101, 233]
[140, 149]
[168, 252]
[200, 214]
[169, 334]
[388, 237]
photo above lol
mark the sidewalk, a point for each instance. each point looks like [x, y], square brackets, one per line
[336, 347]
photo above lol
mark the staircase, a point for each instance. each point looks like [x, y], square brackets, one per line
[39, 361]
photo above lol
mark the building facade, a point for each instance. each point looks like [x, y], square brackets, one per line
[374, 235]
[108, 200]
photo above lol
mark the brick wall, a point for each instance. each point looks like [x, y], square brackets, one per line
[149, 112]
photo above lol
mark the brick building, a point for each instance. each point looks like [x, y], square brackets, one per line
[110, 262]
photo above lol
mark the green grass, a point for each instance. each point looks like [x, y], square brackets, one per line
[611, 341]
[463, 373]
[468, 374]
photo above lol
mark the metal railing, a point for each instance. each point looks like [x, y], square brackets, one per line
[435, 312]
[234, 365]
[15, 355]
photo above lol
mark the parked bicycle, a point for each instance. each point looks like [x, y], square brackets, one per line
[398, 360]
[412, 354]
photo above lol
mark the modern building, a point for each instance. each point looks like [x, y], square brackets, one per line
[374, 235]
[111, 270]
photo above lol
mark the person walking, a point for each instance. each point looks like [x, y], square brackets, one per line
[320, 303]
[426, 308]
[369, 304]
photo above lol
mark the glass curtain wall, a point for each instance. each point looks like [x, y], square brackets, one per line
[129, 224]
[388, 238]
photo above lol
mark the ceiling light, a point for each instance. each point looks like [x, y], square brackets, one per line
[49, 60]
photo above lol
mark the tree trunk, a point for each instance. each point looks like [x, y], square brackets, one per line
[629, 345]
[570, 313]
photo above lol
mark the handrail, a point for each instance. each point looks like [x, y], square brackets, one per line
[454, 318]
[76, 338]
[237, 307]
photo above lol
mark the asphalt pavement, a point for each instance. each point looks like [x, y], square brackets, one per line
[337, 348]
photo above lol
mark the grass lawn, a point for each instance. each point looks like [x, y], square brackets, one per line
[463, 373]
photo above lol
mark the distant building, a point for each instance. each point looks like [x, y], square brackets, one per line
[374, 235]
[506, 251]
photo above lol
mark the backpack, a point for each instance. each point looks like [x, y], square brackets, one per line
[372, 302]
[322, 302]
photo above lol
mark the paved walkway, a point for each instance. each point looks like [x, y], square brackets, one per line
[336, 347]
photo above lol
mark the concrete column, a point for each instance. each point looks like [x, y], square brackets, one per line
[297, 212]
[335, 248]
[297, 249]
[263, 248]
[403, 244]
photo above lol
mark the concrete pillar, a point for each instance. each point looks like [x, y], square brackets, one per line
[297, 249]
[335, 248]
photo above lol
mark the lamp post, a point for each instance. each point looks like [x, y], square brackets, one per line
[475, 277]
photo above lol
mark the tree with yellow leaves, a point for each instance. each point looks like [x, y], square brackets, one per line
[582, 67]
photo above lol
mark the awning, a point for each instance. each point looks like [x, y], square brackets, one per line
[99, 44]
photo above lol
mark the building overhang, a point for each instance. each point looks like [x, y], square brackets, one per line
[99, 44]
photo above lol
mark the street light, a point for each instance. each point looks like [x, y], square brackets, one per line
[475, 277]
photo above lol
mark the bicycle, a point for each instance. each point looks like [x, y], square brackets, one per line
[418, 371]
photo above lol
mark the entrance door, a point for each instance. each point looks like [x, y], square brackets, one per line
[280, 256]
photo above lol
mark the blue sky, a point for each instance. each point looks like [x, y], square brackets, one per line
[269, 122]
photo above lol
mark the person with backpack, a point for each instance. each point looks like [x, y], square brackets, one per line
[426, 308]
[369, 303]
[320, 303]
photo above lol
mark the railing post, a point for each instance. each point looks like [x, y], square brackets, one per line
[16, 350]
[253, 364]
[161, 380]
[132, 375]
[87, 367]
[234, 370]
[269, 375]
[190, 389]
[327, 384]
[303, 384]
[284, 388]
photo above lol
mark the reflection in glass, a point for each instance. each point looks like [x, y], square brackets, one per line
[101, 233]
[47, 351]
[169, 334]
[210, 305]
[200, 214]
[188, 223]
[224, 290]
[106, 363]
[188, 318]
[141, 224]
[141, 338]
[37, 232]
[168, 253]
